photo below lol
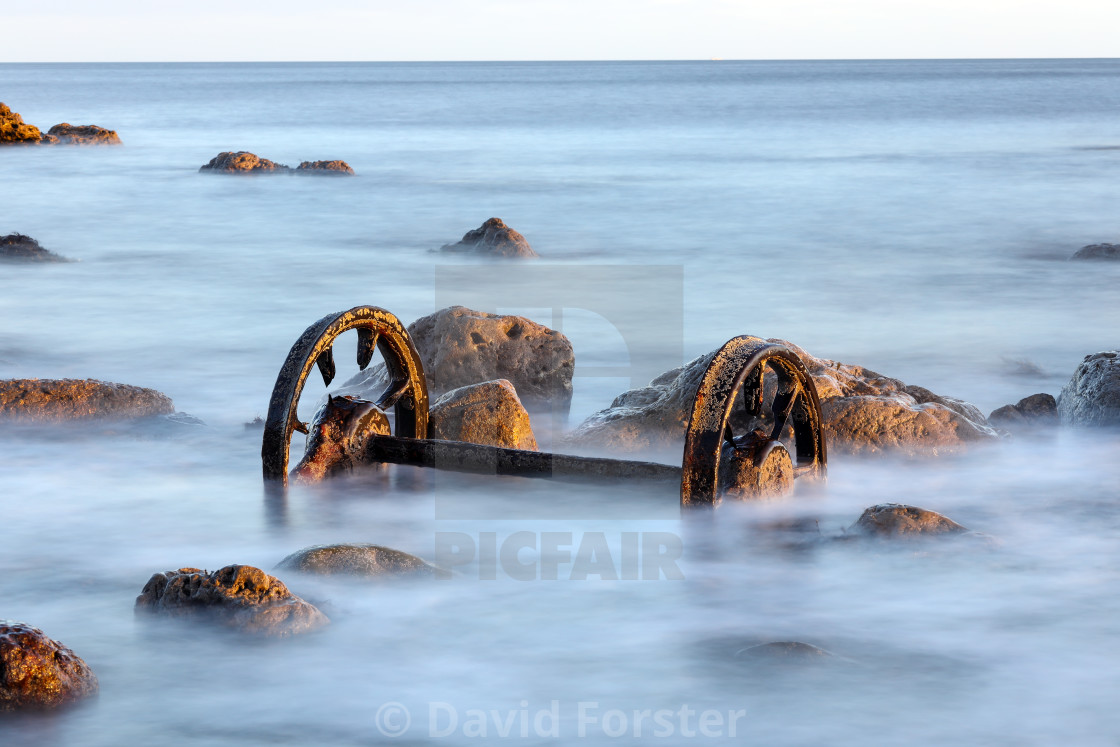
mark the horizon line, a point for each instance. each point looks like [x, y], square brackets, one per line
[544, 60]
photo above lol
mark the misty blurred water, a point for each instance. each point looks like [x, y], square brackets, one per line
[912, 217]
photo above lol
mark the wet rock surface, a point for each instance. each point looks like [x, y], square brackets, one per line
[14, 131]
[358, 559]
[15, 247]
[892, 520]
[863, 412]
[1036, 411]
[324, 168]
[459, 347]
[1098, 251]
[242, 162]
[337, 437]
[489, 413]
[37, 672]
[492, 238]
[68, 134]
[240, 597]
[59, 400]
[1092, 395]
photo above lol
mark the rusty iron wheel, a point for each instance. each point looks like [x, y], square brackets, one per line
[741, 365]
[378, 330]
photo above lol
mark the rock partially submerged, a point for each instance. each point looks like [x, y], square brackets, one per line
[1036, 411]
[242, 162]
[15, 247]
[897, 520]
[37, 672]
[492, 238]
[1098, 251]
[68, 134]
[488, 413]
[358, 559]
[1092, 396]
[337, 437]
[459, 346]
[863, 412]
[14, 131]
[783, 651]
[238, 596]
[59, 400]
[325, 168]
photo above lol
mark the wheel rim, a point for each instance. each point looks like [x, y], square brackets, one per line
[740, 365]
[377, 329]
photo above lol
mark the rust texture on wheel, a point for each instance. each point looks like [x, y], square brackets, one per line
[712, 446]
[377, 330]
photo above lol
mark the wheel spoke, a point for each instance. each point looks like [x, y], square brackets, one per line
[784, 401]
[299, 425]
[325, 363]
[752, 392]
[367, 343]
[393, 394]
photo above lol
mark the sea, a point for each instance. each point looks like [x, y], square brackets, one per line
[913, 217]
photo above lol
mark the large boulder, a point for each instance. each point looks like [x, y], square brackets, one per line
[1036, 411]
[459, 346]
[37, 672]
[68, 134]
[1092, 396]
[15, 247]
[57, 400]
[238, 596]
[492, 238]
[488, 413]
[863, 412]
[14, 131]
[242, 162]
[357, 559]
[325, 168]
[1098, 251]
[896, 520]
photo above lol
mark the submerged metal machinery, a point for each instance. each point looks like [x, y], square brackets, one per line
[755, 423]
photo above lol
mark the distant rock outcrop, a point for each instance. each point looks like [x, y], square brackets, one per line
[488, 413]
[68, 134]
[15, 247]
[59, 400]
[14, 131]
[37, 672]
[325, 168]
[492, 238]
[237, 596]
[1092, 396]
[1098, 251]
[1035, 411]
[242, 162]
[356, 560]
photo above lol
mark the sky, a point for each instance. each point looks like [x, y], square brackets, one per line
[415, 30]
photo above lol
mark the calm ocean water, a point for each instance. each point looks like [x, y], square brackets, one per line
[912, 217]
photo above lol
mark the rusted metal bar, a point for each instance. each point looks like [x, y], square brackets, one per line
[458, 456]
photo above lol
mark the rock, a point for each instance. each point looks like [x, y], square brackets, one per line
[337, 437]
[488, 413]
[356, 560]
[37, 672]
[897, 520]
[1037, 410]
[238, 596]
[459, 347]
[13, 130]
[783, 651]
[15, 247]
[492, 238]
[242, 162]
[863, 412]
[325, 168]
[1092, 396]
[1098, 251]
[68, 134]
[57, 400]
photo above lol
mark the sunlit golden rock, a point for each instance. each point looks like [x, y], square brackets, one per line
[493, 238]
[37, 672]
[897, 520]
[57, 400]
[242, 162]
[488, 413]
[324, 168]
[14, 131]
[68, 134]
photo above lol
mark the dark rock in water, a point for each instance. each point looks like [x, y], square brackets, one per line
[325, 168]
[14, 131]
[356, 560]
[488, 413]
[15, 247]
[37, 672]
[238, 596]
[242, 162]
[1098, 251]
[492, 238]
[1092, 396]
[1037, 410]
[256, 424]
[896, 520]
[58, 400]
[459, 346]
[783, 650]
[68, 134]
